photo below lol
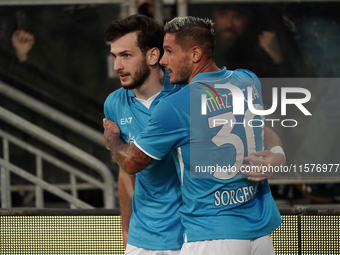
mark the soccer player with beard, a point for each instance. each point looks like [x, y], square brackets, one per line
[225, 214]
[149, 200]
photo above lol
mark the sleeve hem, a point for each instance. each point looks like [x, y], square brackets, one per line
[150, 155]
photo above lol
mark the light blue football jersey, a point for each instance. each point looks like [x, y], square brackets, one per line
[155, 222]
[209, 138]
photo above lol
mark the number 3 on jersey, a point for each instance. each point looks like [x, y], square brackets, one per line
[224, 136]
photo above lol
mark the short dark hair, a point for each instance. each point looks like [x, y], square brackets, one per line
[150, 34]
[191, 31]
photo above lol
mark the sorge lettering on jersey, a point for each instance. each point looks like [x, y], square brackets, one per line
[235, 196]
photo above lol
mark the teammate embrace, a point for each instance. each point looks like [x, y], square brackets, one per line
[177, 213]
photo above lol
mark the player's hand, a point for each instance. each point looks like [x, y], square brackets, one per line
[263, 168]
[22, 42]
[269, 42]
[111, 130]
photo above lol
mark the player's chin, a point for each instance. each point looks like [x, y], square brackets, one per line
[173, 80]
[127, 85]
[176, 80]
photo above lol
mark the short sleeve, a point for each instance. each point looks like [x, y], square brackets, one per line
[167, 129]
[109, 107]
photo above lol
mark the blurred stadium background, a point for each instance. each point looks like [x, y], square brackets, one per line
[58, 182]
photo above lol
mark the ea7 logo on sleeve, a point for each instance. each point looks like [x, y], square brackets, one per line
[124, 121]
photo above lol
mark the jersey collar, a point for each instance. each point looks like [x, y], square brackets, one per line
[223, 73]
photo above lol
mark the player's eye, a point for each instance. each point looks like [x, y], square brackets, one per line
[126, 55]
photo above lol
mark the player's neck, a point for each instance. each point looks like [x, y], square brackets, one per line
[204, 66]
[152, 85]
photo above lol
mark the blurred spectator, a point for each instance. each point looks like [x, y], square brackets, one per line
[244, 40]
[255, 37]
[14, 56]
[317, 30]
[169, 9]
[22, 42]
[317, 33]
[146, 8]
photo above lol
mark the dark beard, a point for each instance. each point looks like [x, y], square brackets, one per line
[182, 81]
[184, 75]
[140, 77]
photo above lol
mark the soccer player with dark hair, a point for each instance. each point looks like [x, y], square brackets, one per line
[150, 220]
[236, 213]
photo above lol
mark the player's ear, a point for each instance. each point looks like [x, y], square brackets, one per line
[196, 53]
[152, 56]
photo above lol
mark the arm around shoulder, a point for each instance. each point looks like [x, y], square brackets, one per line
[129, 157]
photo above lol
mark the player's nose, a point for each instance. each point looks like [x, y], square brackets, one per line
[163, 61]
[117, 64]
